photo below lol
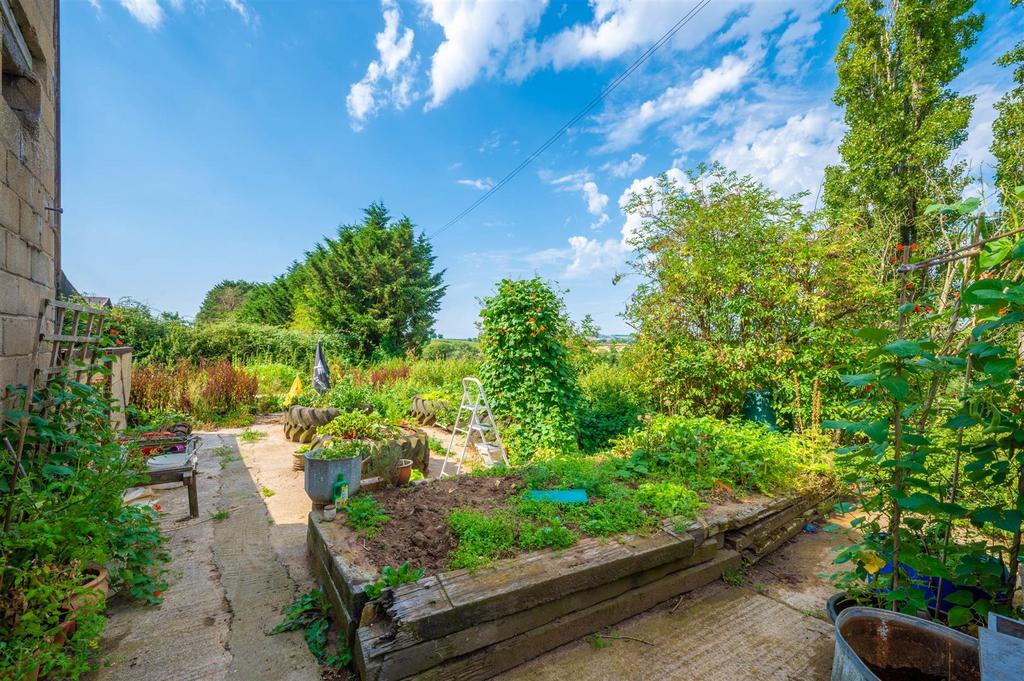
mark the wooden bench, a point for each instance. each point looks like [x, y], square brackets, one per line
[186, 473]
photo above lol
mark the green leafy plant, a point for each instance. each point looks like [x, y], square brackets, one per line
[340, 449]
[365, 515]
[527, 369]
[356, 425]
[936, 457]
[311, 613]
[391, 577]
[249, 435]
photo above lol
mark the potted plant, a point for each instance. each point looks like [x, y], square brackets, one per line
[324, 464]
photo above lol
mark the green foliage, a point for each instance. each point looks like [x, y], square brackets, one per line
[340, 449]
[273, 378]
[137, 555]
[357, 425]
[610, 407]
[740, 291]
[895, 64]
[311, 613]
[936, 455]
[482, 537]
[668, 498]
[65, 512]
[373, 284]
[530, 380]
[703, 452]
[249, 435]
[274, 303]
[390, 578]
[365, 515]
[1008, 128]
[223, 300]
[444, 348]
[143, 330]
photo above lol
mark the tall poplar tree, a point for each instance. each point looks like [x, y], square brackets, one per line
[1008, 128]
[894, 64]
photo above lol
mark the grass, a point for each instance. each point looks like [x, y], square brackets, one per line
[220, 515]
[249, 435]
[225, 454]
[266, 492]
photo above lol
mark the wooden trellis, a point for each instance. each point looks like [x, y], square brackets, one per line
[71, 352]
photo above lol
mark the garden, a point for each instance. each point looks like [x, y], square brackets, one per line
[787, 365]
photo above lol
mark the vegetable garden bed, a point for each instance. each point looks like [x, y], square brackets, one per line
[462, 624]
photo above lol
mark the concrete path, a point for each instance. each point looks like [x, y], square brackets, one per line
[229, 579]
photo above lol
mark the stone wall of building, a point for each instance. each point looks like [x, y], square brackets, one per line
[29, 238]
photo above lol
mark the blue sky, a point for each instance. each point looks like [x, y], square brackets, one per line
[220, 139]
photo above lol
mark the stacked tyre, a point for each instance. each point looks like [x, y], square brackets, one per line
[300, 423]
[425, 412]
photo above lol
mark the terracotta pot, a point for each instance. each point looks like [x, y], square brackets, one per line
[404, 472]
[97, 588]
[67, 628]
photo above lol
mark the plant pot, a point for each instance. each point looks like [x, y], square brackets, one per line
[404, 472]
[321, 474]
[96, 591]
[299, 461]
[837, 603]
[67, 628]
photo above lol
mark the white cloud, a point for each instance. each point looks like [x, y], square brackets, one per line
[706, 87]
[789, 158]
[586, 255]
[239, 7]
[389, 78]
[146, 12]
[483, 184]
[583, 182]
[617, 27]
[477, 37]
[624, 168]
[975, 150]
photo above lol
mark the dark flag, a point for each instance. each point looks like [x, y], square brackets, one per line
[321, 374]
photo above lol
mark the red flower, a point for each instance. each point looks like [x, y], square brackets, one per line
[1003, 310]
[1015, 410]
[917, 308]
[119, 342]
[956, 294]
[910, 284]
[927, 309]
[114, 332]
[156, 506]
[913, 247]
[899, 247]
[868, 387]
[157, 592]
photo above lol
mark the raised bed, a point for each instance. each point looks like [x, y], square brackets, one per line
[464, 625]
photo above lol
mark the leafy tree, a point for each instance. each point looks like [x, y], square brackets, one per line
[274, 302]
[223, 300]
[740, 291]
[894, 64]
[526, 339]
[1008, 128]
[375, 284]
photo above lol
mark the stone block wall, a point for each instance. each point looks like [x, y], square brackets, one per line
[29, 236]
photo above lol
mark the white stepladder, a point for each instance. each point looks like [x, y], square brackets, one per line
[481, 422]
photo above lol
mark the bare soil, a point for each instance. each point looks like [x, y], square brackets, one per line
[418, 531]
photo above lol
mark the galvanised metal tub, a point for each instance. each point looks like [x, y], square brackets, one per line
[880, 645]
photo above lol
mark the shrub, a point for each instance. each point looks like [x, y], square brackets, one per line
[365, 515]
[273, 378]
[527, 368]
[610, 406]
[209, 391]
[441, 348]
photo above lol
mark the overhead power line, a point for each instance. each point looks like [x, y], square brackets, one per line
[608, 89]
